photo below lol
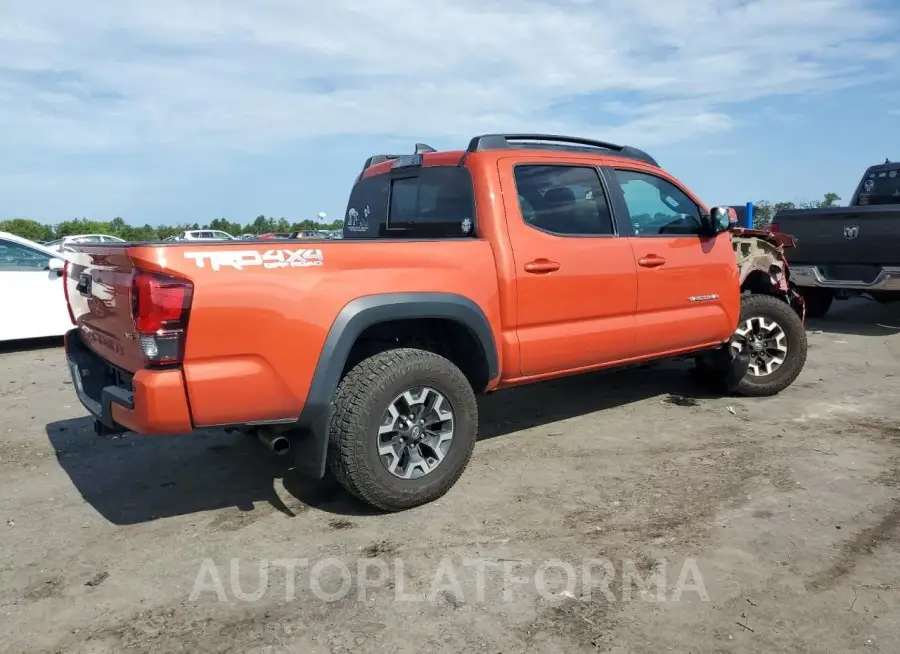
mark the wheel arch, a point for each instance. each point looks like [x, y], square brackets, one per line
[351, 323]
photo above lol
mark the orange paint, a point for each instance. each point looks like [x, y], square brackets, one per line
[555, 305]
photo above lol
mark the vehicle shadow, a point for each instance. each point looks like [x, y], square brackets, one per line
[535, 405]
[30, 344]
[859, 317]
[135, 479]
[132, 479]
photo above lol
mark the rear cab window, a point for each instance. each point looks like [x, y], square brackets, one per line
[428, 202]
[880, 187]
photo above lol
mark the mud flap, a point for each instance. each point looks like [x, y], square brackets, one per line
[735, 371]
[729, 369]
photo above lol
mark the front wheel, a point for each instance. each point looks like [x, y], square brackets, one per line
[403, 427]
[771, 334]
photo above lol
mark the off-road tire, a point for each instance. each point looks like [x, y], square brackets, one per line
[817, 300]
[781, 312]
[364, 394]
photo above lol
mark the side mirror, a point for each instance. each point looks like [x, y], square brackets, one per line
[720, 219]
[56, 265]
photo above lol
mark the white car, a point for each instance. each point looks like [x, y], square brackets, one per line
[31, 290]
[203, 235]
[62, 244]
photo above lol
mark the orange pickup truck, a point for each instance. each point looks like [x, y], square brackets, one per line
[519, 259]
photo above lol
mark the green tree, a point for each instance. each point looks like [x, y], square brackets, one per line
[262, 225]
[30, 229]
[764, 211]
[224, 225]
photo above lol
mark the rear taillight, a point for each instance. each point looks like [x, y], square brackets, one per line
[65, 281]
[160, 305]
[774, 227]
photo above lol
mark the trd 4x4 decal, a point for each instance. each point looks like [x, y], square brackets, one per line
[240, 259]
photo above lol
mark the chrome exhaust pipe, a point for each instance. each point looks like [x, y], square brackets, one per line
[275, 442]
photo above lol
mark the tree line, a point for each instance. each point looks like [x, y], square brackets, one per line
[36, 231]
[31, 229]
[764, 211]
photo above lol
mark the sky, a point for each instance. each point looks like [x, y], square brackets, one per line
[170, 111]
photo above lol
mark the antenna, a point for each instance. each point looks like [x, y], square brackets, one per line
[421, 148]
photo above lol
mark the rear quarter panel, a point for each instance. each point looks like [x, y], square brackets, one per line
[255, 333]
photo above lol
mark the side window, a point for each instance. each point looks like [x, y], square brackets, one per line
[657, 207]
[563, 200]
[17, 257]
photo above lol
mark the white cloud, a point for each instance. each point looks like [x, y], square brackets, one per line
[209, 76]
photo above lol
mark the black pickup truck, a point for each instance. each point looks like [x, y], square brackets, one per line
[846, 251]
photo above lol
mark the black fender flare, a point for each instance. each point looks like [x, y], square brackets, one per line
[311, 446]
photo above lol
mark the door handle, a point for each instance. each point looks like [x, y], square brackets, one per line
[651, 261]
[541, 266]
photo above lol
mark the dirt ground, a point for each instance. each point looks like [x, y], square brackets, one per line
[770, 525]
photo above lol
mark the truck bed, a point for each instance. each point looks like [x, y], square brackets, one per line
[845, 243]
[260, 311]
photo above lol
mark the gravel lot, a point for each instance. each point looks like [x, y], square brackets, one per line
[772, 524]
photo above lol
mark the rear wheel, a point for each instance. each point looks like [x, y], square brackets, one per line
[818, 301]
[771, 334]
[403, 428]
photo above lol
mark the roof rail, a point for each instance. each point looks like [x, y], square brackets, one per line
[555, 142]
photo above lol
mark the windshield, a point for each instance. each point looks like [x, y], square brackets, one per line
[882, 187]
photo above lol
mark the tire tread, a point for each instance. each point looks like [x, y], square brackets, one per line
[784, 314]
[351, 415]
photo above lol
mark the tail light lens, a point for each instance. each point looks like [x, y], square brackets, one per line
[160, 305]
[774, 227]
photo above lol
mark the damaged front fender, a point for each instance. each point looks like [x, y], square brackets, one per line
[763, 267]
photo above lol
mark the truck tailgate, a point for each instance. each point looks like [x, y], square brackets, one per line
[98, 289]
[866, 236]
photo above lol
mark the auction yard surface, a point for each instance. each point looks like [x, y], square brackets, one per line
[788, 507]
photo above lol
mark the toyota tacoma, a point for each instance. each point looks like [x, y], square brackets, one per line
[519, 259]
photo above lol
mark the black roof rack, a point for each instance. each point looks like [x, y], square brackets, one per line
[556, 142]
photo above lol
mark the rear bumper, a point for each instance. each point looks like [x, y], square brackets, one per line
[811, 276]
[147, 402]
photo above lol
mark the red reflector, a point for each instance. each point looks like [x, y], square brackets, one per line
[773, 227]
[159, 302]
